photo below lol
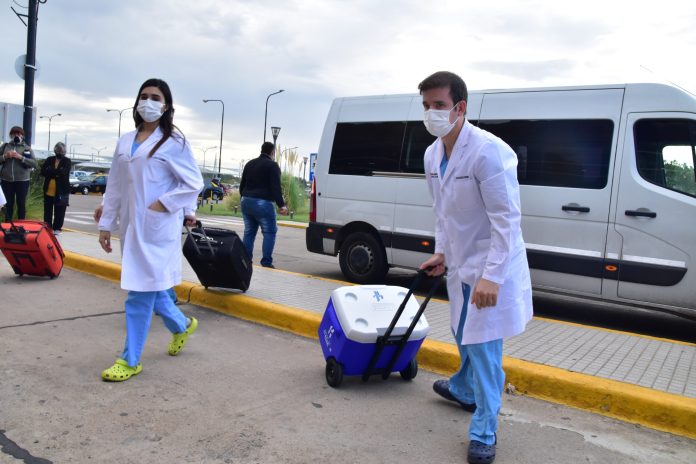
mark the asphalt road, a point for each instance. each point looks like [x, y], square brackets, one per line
[242, 393]
[291, 255]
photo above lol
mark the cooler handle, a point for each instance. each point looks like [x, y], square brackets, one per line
[402, 306]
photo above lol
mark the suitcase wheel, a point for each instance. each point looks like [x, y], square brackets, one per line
[410, 371]
[334, 373]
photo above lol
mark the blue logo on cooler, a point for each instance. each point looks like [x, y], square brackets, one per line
[377, 296]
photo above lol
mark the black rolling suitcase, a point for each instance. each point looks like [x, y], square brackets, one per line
[218, 257]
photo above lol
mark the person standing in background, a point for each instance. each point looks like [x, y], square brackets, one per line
[56, 188]
[16, 163]
[260, 188]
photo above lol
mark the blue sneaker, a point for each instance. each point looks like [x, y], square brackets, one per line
[441, 387]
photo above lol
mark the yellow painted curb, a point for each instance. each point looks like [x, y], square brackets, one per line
[299, 225]
[297, 321]
[627, 402]
[631, 403]
[104, 269]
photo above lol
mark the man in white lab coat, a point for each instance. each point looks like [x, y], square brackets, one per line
[472, 177]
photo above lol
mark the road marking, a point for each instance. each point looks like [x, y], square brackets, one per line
[78, 221]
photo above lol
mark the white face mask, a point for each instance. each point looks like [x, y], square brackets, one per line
[150, 110]
[437, 122]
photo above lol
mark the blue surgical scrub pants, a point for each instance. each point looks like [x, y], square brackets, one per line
[139, 309]
[480, 380]
[259, 212]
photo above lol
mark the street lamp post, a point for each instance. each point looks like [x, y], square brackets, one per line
[98, 151]
[72, 149]
[120, 113]
[275, 131]
[304, 171]
[265, 115]
[49, 128]
[222, 122]
[205, 150]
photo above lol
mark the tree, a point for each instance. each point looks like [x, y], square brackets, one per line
[680, 177]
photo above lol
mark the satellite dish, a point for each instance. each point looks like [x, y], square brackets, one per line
[19, 67]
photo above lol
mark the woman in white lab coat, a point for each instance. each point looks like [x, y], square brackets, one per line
[153, 178]
[472, 177]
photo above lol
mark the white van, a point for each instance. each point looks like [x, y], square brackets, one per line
[607, 180]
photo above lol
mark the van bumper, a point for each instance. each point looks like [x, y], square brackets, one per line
[315, 235]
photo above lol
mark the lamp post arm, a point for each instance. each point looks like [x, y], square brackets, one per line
[265, 119]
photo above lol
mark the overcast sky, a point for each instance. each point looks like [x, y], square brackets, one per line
[95, 54]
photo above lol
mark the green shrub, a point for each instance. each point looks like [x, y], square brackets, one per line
[293, 192]
[232, 201]
[34, 197]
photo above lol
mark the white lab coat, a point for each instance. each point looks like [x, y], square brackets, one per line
[477, 210]
[150, 240]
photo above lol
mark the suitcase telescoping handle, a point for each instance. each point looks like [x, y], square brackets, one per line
[203, 234]
[401, 342]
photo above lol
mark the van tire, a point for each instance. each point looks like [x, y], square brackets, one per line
[362, 259]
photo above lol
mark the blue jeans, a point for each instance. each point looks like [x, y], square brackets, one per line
[258, 212]
[479, 380]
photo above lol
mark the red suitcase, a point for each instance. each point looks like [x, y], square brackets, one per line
[31, 248]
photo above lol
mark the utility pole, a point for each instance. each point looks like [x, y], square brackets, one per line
[30, 66]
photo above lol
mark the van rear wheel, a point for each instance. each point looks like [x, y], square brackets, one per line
[362, 259]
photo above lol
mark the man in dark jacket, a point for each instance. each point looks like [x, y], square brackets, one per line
[56, 188]
[16, 162]
[260, 188]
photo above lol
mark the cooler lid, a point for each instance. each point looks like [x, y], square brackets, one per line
[365, 312]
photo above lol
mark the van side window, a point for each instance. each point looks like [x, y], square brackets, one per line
[558, 153]
[359, 149]
[416, 141]
[666, 153]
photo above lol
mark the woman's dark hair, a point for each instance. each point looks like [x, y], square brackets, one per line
[16, 130]
[445, 79]
[166, 121]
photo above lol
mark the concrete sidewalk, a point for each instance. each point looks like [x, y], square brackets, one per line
[638, 379]
[243, 393]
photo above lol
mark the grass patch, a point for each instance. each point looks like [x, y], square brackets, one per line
[229, 206]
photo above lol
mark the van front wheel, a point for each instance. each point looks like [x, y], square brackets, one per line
[363, 259]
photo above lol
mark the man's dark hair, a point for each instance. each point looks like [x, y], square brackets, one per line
[267, 148]
[445, 79]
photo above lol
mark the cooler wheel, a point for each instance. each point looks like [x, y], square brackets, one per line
[410, 372]
[334, 373]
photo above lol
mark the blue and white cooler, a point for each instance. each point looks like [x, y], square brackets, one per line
[354, 319]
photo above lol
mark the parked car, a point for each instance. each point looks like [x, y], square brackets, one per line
[227, 188]
[90, 184]
[212, 190]
[77, 174]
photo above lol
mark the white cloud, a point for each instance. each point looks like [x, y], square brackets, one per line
[94, 55]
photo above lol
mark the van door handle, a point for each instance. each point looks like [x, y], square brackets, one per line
[579, 209]
[649, 214]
